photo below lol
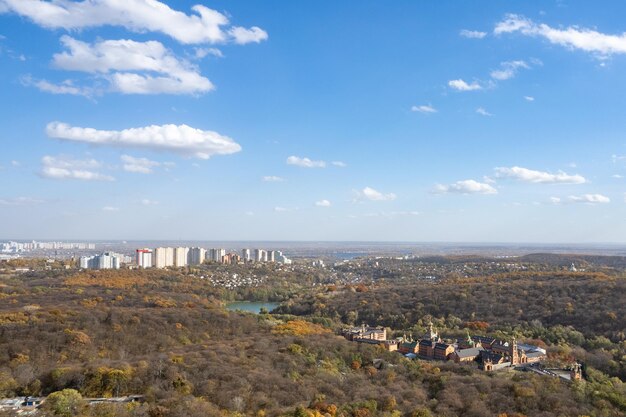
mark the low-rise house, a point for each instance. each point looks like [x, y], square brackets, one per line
[388, 345]
[442, 351]
[408, 347]
[365, 332]
[466, 355]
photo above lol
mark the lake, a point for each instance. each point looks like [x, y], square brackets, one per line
[251, 306]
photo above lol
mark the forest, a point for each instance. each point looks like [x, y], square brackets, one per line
[166, 335]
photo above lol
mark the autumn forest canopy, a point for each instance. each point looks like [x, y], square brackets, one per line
[167, 336]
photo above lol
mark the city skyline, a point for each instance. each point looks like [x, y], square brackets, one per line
[193, 120]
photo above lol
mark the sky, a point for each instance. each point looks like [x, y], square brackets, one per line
[483, 121]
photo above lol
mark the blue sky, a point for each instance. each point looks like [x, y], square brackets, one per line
[273, 120]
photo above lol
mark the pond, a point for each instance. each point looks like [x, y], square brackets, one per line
[251, 306]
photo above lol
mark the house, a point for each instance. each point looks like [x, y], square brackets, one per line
[466, 355]
[388, 345]
[442, 350]
[408, 347]
[485, 342]
[365, 332]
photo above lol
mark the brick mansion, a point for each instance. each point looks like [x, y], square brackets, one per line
[488, 353]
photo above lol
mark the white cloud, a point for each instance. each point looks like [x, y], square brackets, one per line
[465, 187]
[305, 162]
[617, 176]
[129, 67]
[203, 52]
[572, 37]
[110, 208]
[65, 87]
[529, 98]
[273, 178]
[148, 202]
[15, 163]
[181, 139]
[243, 36]
[371, 194]
[539, 177]
[589, 199]
[280, 209]
[322, 203]
[62, 168]
[483, 112]
[339, 164]
[555, 200]
[20, 201]
[508, 70]
[461, 85]
[139, 165]
[204, 26]
[472, 34]
[424, 109]
[617, 158]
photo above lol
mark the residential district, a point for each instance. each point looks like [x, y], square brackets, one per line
[180, 257]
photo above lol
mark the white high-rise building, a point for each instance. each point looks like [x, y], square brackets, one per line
[107, 260]
[245, 255]
[196, 256]
[271, 256]
[282, 259]
[216, 255]
[144, 258]
[260, 255]
[163, 257]
[180, 257]
[83, 262]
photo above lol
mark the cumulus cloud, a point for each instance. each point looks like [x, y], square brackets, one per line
[20, 201]
[539, 177]
[65, 87]
[322, 203]
[243, 36]
[280, 209]
[529, 98]
[181, 139]
[589, 199]
[424, 109]
[368, 193]
[273, 178]
[584, 199]
[472, 34]
[305, 162]
[483, 112]
[508, 69]
[148, 202]
[461, 85]
[62, 168]
[339, 164]
[129, 67]
[139, 165]
[204, 52]
[203, 26]
[572, 37]
[465, 187]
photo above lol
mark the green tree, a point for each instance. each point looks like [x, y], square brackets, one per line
[66, 403]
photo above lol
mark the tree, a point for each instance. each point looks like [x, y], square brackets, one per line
[66, 403]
